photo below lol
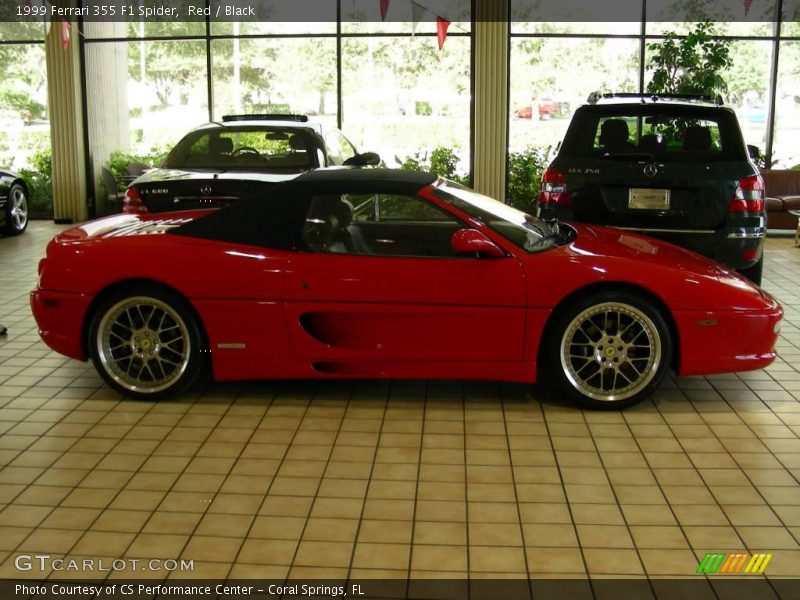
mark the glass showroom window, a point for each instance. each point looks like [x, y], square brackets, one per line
[748, 88]
[150, 93]
[142, 96]
[786, 147]
[24, 119]
[24, 122]
[576, 17]
[403, 97]
[551, 77]
[732, 17]
[280, 75]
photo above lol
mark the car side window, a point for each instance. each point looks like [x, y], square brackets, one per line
[379, 225]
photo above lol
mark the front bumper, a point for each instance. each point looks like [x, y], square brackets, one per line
[727, 341]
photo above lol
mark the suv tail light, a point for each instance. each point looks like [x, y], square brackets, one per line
[554, 189]
[132, 203]
[749, 196]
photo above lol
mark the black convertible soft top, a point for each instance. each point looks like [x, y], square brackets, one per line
[274, 217]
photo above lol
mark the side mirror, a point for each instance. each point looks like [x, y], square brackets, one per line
[365, 159]
[753, 151]
[472, 241]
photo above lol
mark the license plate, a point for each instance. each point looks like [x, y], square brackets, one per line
[648, 199]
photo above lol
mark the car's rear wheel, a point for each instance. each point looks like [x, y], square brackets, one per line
[609, 350]
[755, 272]
[146, 343]
[16, 210]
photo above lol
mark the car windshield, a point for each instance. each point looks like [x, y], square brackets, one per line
[528, 232]
[277, 149]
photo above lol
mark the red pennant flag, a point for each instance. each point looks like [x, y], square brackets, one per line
[441, 30]
[384, 9]
[65, 25]
[747, 4]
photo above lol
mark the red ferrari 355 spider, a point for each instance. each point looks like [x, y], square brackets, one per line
[391, 274]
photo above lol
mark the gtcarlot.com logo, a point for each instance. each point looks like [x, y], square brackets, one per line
[45, 562]
[733, 563]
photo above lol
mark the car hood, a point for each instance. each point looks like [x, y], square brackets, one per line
[127, 225]
[615, 243]
[682, 279]
[167, 175]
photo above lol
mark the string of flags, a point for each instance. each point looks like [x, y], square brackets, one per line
[417, 14]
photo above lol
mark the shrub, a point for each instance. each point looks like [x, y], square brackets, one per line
[439, 161]
[40, 184]
[524, 176]
[693, 64]
[118, 161]
[422, 108]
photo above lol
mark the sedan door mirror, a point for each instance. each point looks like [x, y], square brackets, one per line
[365, 159]
[472, 241]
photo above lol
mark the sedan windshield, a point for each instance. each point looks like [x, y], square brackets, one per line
[528, 232]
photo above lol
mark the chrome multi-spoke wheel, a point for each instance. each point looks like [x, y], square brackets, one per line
[612, 349]
[145, 345]
[16, 210]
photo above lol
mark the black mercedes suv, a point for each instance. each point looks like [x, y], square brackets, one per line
[672, 167]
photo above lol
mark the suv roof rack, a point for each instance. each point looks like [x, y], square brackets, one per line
[595, 96]
[265, 117]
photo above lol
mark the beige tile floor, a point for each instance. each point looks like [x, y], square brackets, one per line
[393, 479]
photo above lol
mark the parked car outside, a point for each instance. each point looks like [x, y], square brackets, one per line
[13, 203]
[361, 273]
[218, 163]
[546, 108]
[672, 167]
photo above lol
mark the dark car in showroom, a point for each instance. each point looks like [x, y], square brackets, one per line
[671, 167]
[218, 163]
[13, 203]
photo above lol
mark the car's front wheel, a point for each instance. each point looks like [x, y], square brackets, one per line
[146, 343]
[16, 210]
[609, 350]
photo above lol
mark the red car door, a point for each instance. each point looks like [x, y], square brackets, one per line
[388, 286]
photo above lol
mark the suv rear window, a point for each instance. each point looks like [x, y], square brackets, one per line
[665, 133]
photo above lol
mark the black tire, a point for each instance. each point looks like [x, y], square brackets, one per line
[16, 209]
[146, 342]
[616, 335]
[754, 273]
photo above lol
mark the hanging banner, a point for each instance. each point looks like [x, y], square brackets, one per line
[384, 9]
[65, 26]
[441, 30]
